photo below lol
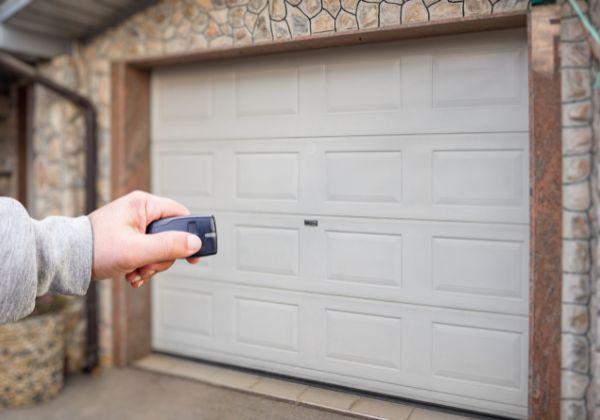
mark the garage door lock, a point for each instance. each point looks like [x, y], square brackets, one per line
[311, 222]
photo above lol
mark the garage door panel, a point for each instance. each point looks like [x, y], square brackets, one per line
[364, 176]
[261, 92]
[184, 315]
[422, 347]
[479, 266]
[267, 175]
[351, 92]
[267, 324]
[473, 177]
[491, 178]
[364, 339]
[364, 258]
[476, 266]
[352, 86]
[393, 344]
[267, 250]
[478, 78]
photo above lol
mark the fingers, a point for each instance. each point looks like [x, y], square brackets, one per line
[164, 246]
[133, 277]
[194, 260]
[160, 207]
[138, 277]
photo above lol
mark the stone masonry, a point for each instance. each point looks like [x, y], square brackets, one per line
[580, 228]
[176, 26]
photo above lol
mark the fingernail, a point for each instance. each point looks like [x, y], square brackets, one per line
[137, 277]
[151, 273]
[193, 243]
[140, 284]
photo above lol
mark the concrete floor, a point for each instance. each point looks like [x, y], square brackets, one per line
[136, 394]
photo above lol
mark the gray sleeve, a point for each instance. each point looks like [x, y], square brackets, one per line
[54, 255]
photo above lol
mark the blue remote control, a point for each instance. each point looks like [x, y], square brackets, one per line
[203, 226]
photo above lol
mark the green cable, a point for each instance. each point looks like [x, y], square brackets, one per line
[590, 28]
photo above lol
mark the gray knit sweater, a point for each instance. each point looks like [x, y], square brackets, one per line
[54, 255]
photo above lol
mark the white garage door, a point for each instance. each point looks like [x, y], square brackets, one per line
[372, 210]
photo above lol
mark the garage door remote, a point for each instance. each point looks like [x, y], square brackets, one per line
[203, 226]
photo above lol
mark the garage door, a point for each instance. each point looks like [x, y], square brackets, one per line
[372, 209]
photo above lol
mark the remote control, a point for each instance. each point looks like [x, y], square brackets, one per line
[203, 226]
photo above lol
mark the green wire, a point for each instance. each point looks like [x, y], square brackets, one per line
[590, 28]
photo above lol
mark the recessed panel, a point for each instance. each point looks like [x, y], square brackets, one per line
[364, 258]
[478, 177]
[267, 92]
[186, 311]
[472, 79]
[267, 250]
[487, 356]
[368, 85]
[267, 176]
[267, 324]
[363, 338]
[478, 267]
[189, 174]
[368, 177]
[185, 95]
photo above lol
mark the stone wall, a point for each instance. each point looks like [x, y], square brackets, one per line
[580, 228]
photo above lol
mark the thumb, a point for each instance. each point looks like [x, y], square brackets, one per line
[167, 246]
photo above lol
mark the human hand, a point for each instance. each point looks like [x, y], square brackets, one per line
[121, 245]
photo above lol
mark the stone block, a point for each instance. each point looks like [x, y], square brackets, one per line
[576, 288]
[575, 353]
[577, 196]
[477, 7]
[576, 225]
[574, 385]
[577, 114]
[298, 22]
[332, 6]
[576, 84]
[576, 256]
[250, 21]
[346, 22]
[236, 16]
[280, 30]
[571, 29]
[256, 6]
[367, 15]
[323, 22]
[577, 140]
[573, 54]
[277, 8]
[575, 319]
[389, 14]
[414, 11]
[445, 10]
[510, 5]
[350, 5]
[310, 7]
[576, 168]
[573, 410]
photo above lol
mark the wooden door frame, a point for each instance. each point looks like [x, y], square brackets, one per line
[131, 170]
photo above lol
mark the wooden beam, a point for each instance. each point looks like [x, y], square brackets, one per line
[130, 171]
[339, 39]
